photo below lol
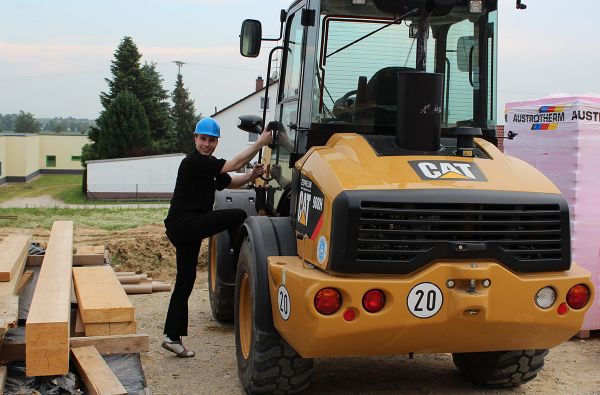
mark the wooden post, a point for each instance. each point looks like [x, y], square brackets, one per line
[47, 328]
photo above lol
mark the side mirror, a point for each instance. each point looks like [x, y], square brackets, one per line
[250, 38]
[250, 124]
[464, 55]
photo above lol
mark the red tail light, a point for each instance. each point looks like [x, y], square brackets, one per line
[373, 300]
[578, 296]
[328, 301]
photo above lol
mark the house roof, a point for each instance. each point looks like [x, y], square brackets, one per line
[273, 82]
[133, 158]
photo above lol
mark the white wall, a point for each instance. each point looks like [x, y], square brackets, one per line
[154, 174]
[234, 140]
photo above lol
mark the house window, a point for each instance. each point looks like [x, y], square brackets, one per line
[0, 168]
[50, 160]
[262, 103]
[75, 158]
[252, 137]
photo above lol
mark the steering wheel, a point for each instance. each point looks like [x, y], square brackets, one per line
[344, 106]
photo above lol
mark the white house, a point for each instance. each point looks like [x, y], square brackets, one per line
[234, 140]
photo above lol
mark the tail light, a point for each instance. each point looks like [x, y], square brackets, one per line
[373, 300]
[328, 301]
[578, 296]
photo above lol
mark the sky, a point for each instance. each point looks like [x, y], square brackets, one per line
[55, 55]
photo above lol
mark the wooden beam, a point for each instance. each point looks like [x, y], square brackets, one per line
[111, 328]
[2, 378]
[100, 296]
[13, 250]
[25, 278]
[47, 328]
[78, 260]
[14, 350]
[96, 374]
[119, 344]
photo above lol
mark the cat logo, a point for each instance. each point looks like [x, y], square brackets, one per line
[447, 171]
[303, 207]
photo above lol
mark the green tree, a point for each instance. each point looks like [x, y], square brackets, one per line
[126, 72]
[124, 129]
[26, 123]
[184, 117]
[155, 100]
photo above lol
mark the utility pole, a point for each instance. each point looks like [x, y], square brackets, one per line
[179, 64]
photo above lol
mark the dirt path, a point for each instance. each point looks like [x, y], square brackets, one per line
[47, 201]
[572, 368]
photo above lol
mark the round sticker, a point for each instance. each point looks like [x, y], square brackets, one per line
[425, 300]
[283, 300]
[322, 249]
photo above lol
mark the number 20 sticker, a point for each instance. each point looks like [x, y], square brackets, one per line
[283, 300]
[425, 300]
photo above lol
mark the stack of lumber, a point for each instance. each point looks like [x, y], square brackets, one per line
[104, 307]
[140, 283]
[47, 342]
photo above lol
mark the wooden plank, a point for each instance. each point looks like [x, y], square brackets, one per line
[111, 328]
[119, 344]
[79, 328]
[9, 313]
[25, 278]
[2, 378]
[96, 374]
[100, 296]
[14, 350]
[13, 250]
[47, 328]
[78, 260]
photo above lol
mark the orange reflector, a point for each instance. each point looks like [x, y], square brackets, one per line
[562, 309]
[373, 300]
[328, 301]
[349, 315]
[578, 296]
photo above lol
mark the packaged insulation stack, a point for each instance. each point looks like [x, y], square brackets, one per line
[561, 138]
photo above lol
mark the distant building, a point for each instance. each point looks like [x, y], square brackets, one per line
[24, 156]
[234, 140]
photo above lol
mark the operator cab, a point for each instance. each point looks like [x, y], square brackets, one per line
[343, 62]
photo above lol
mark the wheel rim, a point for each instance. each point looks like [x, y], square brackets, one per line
[245, 315]
[212, 261]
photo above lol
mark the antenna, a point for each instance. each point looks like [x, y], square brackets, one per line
[179, 64]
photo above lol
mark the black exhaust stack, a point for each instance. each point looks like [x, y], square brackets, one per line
[419, 110]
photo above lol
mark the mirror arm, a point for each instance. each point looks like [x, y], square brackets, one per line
[282, 18]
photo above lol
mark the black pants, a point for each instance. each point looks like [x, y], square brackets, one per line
[186, 235]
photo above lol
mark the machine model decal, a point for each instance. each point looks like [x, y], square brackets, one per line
[447, 171]
[322, 249]
[309, 217]
[284, 303]
[425, 300]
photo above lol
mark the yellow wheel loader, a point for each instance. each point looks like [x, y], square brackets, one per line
[390, 222]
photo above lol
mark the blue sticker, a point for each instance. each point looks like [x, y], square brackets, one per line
[322, 249]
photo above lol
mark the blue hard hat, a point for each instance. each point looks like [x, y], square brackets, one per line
[209, 127]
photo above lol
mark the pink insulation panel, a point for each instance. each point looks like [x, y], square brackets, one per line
[561, 138]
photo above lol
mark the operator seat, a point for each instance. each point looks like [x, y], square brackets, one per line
[381, 95]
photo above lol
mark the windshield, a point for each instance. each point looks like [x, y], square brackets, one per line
[355, 82]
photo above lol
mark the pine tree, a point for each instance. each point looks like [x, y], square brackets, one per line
[124, 129]
[126, 72]
[184, 117]
[155, 100]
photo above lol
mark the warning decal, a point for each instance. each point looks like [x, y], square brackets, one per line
[309, 213]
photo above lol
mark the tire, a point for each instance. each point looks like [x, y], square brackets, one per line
[221, 290]
[500, 369]
[266, 362]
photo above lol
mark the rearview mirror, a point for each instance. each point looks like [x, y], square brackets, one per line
[250, 38]
[250, 124]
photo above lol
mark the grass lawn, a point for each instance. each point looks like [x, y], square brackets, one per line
[63, 187]
[107, 219]
[59, 186]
